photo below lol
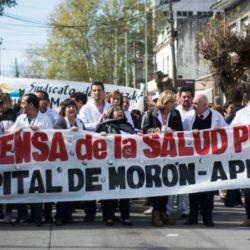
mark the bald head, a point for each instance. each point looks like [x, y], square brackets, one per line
[200, 103]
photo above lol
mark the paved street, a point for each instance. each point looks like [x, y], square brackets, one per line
[227, 234]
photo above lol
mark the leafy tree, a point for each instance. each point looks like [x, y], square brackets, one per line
[87, 40]
[8, 3]
[229, 55]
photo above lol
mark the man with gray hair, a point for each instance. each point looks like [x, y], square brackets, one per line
[200, 118]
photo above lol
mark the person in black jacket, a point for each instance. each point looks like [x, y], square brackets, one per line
[164, 117]
[7, 119]
[115, 123]
[67, 120]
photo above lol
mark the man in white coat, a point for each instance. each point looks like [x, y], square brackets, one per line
[185, 100]
[31, 118]
[202, 117]
[91, 114]
[242, 117]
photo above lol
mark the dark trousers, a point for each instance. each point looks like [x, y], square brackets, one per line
[37, 212]
[10, 207]
[90, 209]
[159, 203]
[47, 210]
[247, 202]
[204, 202]
[109, 207]
[22, 210]
[64, 211]
[124, 208]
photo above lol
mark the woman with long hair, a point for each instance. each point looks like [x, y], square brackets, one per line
[115, 123]
[163, 118]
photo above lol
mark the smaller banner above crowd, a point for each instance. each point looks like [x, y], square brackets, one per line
[60, 90]
[61, 165]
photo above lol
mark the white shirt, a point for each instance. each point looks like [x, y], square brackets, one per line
[90, 115]
[242, 116]
[42, 121]
[129, 118]
[217, 120]
[182, 111]
[79, 123]
[52, 114]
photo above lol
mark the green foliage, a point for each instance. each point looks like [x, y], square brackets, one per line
[88, 36]
[8, 3]
[229, 55]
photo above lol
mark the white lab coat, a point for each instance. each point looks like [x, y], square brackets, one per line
[90, 114]
[42, 121]
[242, 116]
[217, 120]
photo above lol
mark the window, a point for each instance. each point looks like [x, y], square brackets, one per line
[184, 13]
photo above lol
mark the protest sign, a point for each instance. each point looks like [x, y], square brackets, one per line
[61, 165]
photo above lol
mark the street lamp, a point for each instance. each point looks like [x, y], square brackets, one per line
[1, 42]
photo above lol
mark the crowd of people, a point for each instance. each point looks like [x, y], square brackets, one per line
[110, 115]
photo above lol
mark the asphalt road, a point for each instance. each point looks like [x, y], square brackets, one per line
[227, 233]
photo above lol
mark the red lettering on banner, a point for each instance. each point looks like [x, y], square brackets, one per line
[183, 149]
[58, 149]
[118, 146]
[129, 149]
[124, 148]
[216, 149]
[168, 146]
[100, 149]
[240, 135]
[152, 140]
[202, 147]
[39, 140]
[86, 148]
[5, 148]
[87, 144]
[22, 147]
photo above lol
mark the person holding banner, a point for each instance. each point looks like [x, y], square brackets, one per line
[242, 117]
[115, 123]
[185, 99]
[202, 117]
[67, 120]
[91, 114]
[164, 118]
[7, 119]
[33, 119]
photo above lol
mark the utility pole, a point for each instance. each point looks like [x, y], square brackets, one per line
[146, 50]
[135, 62]
[172, 43]
[16, 68]
[116, 59]
[126, 58]
[1, 42]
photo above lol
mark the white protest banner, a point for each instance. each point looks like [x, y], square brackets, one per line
[61, 165]
[60, 90]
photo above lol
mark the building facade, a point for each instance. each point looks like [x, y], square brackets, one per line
[190, 17]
